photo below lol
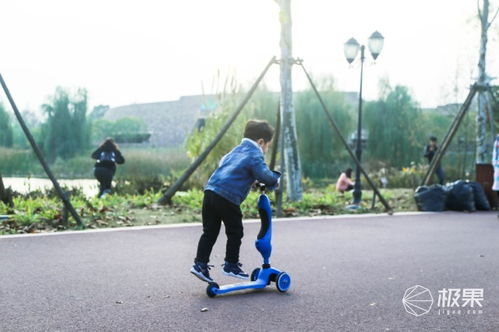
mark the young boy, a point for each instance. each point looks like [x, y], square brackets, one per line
[227, 188]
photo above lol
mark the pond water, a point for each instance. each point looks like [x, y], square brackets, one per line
[25, 185]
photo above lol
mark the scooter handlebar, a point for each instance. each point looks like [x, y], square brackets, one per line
[261, 186]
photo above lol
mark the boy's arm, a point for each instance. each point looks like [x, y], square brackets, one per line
[264, 175]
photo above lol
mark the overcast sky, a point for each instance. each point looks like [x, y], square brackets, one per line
[144, 51]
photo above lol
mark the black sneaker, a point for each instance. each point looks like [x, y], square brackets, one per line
[201, 270]
[234, 270]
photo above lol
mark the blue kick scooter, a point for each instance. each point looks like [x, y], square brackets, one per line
[260, 277]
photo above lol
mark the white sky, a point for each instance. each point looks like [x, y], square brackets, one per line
[144, 51]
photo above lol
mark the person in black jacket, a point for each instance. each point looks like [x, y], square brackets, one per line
[107, 155]
[430, 151]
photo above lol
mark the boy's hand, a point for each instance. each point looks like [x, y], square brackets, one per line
[278, 185]
[255, 185]
[258, 185]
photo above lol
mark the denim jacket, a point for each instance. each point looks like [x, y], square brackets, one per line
[238, 170]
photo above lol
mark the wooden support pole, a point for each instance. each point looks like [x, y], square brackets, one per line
[275, 140]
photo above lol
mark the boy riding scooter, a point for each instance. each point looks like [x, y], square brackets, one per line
[227, 188]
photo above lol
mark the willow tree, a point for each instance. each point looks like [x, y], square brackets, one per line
[65, 132]
[393, 123]
[288, 122]
[483, 81]
[321, 152]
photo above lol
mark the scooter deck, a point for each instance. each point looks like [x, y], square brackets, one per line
[262, 282]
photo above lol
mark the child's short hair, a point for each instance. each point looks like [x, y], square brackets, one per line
[256, 129]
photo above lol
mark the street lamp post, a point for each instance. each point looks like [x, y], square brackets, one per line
[351, 49]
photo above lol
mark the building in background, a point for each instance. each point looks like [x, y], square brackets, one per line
[169, 122]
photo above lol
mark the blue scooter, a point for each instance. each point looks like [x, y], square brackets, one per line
[260, 277]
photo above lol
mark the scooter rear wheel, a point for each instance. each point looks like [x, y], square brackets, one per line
[254, 274]
[210, 289]
[283, 282]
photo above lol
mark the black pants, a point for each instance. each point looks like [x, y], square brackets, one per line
[105, 177]
[215, 210]
[440, 174]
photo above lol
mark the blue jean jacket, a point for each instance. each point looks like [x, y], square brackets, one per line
[238, 170]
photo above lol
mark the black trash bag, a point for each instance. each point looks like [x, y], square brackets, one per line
[460, 197]
[430, 198]
[481, 201]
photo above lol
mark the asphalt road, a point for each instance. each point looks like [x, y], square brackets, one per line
[348, 274]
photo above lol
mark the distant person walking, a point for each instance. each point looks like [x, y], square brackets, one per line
[430, 151]
[107, 155]
[344, 182]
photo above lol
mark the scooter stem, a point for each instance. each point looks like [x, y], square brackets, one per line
[263, 241]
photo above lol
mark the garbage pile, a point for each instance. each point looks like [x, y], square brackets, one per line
[458, 196]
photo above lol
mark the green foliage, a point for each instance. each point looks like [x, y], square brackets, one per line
[394, 125]
[495, 104]
[6, 133]
[399, 132]
[321, 151]
[16, 162]
[191, 199]
[66, 132]
[151, 162]
[34, 126]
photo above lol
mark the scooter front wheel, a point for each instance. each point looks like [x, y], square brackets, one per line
[210, 290]
[283, 282]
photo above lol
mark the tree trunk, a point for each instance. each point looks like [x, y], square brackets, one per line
[288, 125]
[482, 144]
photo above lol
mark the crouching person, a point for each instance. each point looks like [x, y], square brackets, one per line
[107, 155]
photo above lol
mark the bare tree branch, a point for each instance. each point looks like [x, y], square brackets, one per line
[479, 11]
[493, 18]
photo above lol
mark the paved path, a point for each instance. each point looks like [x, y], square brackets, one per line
[349, 274]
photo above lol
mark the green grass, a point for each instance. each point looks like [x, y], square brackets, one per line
[43, 211]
